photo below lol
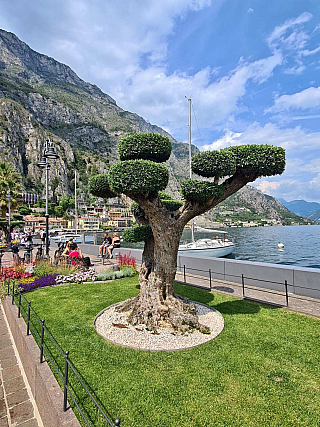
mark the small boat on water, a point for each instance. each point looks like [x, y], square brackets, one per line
[77, 238]
[218, 247]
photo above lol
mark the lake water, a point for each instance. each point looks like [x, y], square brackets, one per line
[301, 244]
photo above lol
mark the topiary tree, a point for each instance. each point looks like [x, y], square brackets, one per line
[141, 176]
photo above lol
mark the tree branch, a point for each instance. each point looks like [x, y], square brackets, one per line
[232, 185]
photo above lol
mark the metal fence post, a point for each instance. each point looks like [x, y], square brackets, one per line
[41, 342]
[117, 422]
[12, 294]
[19, 305]
[210, 277]
[8, 280]
[65, 385]
[28, 319]
[287, 296]
[184, 274]
[242, 277]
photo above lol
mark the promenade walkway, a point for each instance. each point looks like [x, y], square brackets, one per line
[17, 406]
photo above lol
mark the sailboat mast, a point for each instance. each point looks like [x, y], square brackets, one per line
[189, 126]
[190, 171]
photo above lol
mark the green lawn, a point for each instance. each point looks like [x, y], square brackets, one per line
[263, 370]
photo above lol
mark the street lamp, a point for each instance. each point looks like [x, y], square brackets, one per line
[49, 153]
[9, 214]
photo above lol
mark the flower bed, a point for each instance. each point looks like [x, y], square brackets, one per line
[78, 277]
[14, 273]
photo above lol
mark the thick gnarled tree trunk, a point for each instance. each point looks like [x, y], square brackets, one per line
[157, 305]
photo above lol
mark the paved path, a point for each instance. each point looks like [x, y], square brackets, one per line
[17, 407]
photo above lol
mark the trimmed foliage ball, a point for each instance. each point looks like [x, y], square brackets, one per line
[137, 233]
[136, 210]
[172, 205]
[214, 163]
[164, 196]
[266, 160]
[200, 191]
[99, 186]
[147, 146]
[138, 176]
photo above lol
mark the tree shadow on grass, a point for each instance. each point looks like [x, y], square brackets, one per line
[238, 307]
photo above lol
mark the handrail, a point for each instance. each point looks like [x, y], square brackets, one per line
[17, 294]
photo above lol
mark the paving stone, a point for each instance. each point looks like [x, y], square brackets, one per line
[11, 372]
[4, 422]
[6, 353]
[14, 385]
[3, 408]
[30, 423]
[3, 329]
[6, 363]
[5, 341]
[17, 397]
[22, 412]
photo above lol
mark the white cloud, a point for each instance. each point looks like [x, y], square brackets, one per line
[250, 10]
[295, 140]
[295, 70]
[308, 98]
[161, 97]
[309, 52]
[266, 186]
[301, 178]
[279, 39]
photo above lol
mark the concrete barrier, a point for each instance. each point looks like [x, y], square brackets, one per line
[301, 281]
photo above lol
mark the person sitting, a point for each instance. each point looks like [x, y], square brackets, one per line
[75, 253]
[107, 241]
[67, 248]
[115, 244]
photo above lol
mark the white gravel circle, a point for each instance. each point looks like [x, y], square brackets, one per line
[165, 339]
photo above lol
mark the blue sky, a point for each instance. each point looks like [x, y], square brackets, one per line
[251, 67]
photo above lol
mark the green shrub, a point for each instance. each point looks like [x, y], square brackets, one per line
[45, 268]
[128, 270]
[147, 146]
[164, 196]
[107, 275]
[214, 163]
[137, 233]
[112, 275]
[138, 176]
[266, 160]
[118, 274]
[137, 211]
[200, 191]
[172, 205]
[99, 186]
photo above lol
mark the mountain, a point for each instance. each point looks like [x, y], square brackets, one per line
[301, 207]
[41, 98]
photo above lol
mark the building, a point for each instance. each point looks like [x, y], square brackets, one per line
[86, 223]
[122, 222]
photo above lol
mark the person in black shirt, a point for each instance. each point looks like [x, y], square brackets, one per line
[105, 244]
[115, 244]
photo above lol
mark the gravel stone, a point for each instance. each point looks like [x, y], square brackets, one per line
[163, 339]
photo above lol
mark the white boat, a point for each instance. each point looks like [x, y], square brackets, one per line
[66, 237]
[206, 247]
[218, 247]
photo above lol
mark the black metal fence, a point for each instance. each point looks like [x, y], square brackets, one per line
[204, 279]
[60, 362]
